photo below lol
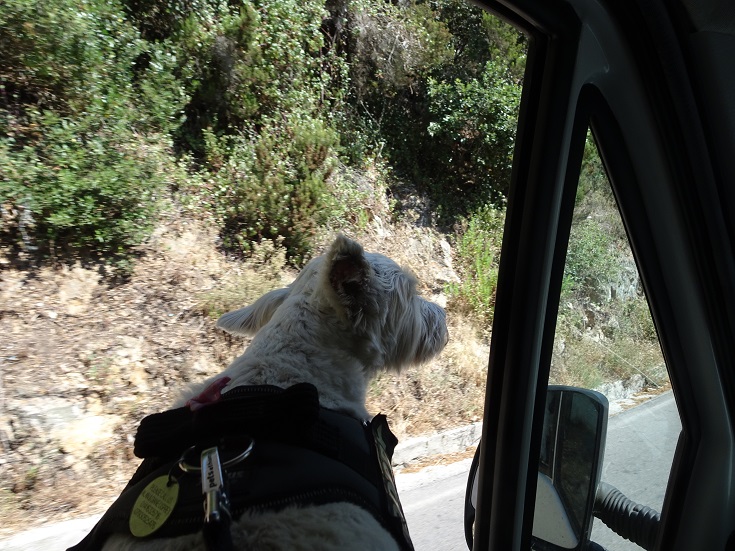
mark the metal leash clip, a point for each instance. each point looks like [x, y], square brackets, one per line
[217, 518]
[216, 503]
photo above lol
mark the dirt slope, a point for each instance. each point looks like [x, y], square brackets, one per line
[83, 359]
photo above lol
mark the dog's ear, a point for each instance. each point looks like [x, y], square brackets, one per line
[248, 320]
[347, 274]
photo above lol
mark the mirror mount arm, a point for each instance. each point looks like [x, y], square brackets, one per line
[634, 522]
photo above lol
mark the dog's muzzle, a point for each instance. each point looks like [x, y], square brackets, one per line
[258, 448]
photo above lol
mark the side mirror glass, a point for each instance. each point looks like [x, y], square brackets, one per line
[572, 448]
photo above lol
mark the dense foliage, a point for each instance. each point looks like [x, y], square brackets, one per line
[275, 119]
[441, 93]
[106, 106]
[85, 130]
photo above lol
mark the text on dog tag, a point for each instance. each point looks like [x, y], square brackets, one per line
[153, 506]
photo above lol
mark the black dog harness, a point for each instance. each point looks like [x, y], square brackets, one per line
[258, 448]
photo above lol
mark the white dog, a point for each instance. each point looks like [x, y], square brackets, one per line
[347, 316]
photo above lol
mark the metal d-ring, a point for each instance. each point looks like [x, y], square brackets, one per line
[188, 468]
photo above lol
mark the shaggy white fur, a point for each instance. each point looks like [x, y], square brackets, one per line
[348, 315]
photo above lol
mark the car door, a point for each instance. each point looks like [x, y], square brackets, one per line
[655, 83]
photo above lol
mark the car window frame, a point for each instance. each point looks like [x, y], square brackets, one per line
[559, 101]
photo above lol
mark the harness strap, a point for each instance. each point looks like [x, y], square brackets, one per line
[217, 537]
[330, 457]
[257, 411]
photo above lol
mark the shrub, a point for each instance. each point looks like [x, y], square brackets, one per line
[477, 252]
[245, 64]
[470, 140]
[438, 96]
[51, 48]
[391, 48]
[80, 56]
[262, 82]
[357, 196]
[86, 108]
[86, 187]
[594, 260]
[273, 185]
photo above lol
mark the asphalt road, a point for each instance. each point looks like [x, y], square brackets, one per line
[640, 447]
[638, 455]
[433, 502]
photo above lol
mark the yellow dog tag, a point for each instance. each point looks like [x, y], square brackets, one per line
[153, 506]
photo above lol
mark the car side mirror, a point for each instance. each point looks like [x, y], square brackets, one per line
[572, 448]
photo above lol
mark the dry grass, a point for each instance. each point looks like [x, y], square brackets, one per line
[589, 360]
[265, 271]
[111, 352]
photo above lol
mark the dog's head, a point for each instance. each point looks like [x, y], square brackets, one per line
[361, 303]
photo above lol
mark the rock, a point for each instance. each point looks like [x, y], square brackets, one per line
[446, 253]
[48, 413]
[445, 275]
[65, 422]
[619, 390]
[440, 299]
[77, 289]
[80, 437]
[448, 441]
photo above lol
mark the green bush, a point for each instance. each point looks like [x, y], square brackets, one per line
[435, 88]
[83, 56]
[60, 53]
[359, 195]
[594, 260]
[244, 64]
[471, 136]
[391, 48]
[255, 96]
[273, 185]
[84, 117]
[260, 122]
[477, 253]
[83, 187]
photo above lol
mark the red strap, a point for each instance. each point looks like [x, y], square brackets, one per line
[209, 395]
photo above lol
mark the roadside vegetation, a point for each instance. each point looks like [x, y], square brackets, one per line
[604, 328]
[279, 123]
[131, 131]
